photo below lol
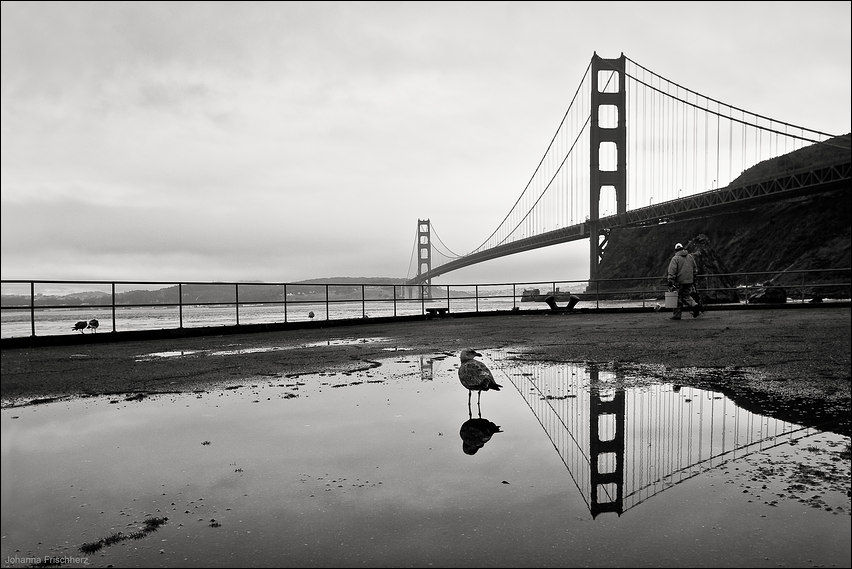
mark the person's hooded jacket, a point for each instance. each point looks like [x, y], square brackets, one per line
[682, 268]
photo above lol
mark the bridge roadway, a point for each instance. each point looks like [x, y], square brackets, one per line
[732, 197]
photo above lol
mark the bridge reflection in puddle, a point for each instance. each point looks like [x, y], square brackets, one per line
[625, 438]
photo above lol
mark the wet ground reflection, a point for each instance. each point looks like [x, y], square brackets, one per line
[626, 437]
[244, 351]
[588, 467]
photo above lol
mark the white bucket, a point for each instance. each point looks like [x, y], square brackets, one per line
[671, 299]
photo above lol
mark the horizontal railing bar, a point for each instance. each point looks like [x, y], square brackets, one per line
[401, 285]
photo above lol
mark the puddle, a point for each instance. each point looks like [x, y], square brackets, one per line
[171, 354]
[257, 350]
[345, 342]
[388, 466]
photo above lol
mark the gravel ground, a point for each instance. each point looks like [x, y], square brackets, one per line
[796, 360]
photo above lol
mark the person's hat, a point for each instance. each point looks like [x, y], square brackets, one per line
[678, 246]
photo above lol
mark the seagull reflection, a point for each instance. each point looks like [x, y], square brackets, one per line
[475, 433]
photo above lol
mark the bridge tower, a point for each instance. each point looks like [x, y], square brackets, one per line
[608, 101]
[424, 255]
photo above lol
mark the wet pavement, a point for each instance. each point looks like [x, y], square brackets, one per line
[570, 464]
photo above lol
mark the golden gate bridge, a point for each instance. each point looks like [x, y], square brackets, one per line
[635, 148]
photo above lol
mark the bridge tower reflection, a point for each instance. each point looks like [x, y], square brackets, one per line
[606, 446]
[625, 437]
[427, 372]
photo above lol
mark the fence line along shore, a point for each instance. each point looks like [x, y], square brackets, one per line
[46, 313]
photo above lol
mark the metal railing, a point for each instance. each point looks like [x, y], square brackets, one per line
[52, 307]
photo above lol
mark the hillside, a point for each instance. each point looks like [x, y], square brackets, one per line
[811, 232]
[339, 288]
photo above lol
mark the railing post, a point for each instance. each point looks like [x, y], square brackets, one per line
[394, 300]
[113, 306]
[514, 295]
[448, 298]
[237, 301]
[326, 303]
[363, 302]
[285, 303]
[180, 305]
[476, 296]
[32, 307]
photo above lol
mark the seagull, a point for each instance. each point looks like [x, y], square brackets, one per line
[81, 325]
[475, 375]
[93, 324]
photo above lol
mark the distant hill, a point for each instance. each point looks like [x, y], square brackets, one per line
[339, 288]
[803, 233]
[355, 280]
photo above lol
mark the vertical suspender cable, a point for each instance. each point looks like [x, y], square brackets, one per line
[730, 146]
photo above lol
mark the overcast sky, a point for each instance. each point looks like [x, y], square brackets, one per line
[281, 141]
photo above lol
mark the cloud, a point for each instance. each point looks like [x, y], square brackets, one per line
[297, 139]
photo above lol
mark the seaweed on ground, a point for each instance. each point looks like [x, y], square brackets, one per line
[150, 525]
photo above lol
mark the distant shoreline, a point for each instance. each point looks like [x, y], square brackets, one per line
[199, 331]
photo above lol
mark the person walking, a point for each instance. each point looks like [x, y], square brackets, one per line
[681, 277]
